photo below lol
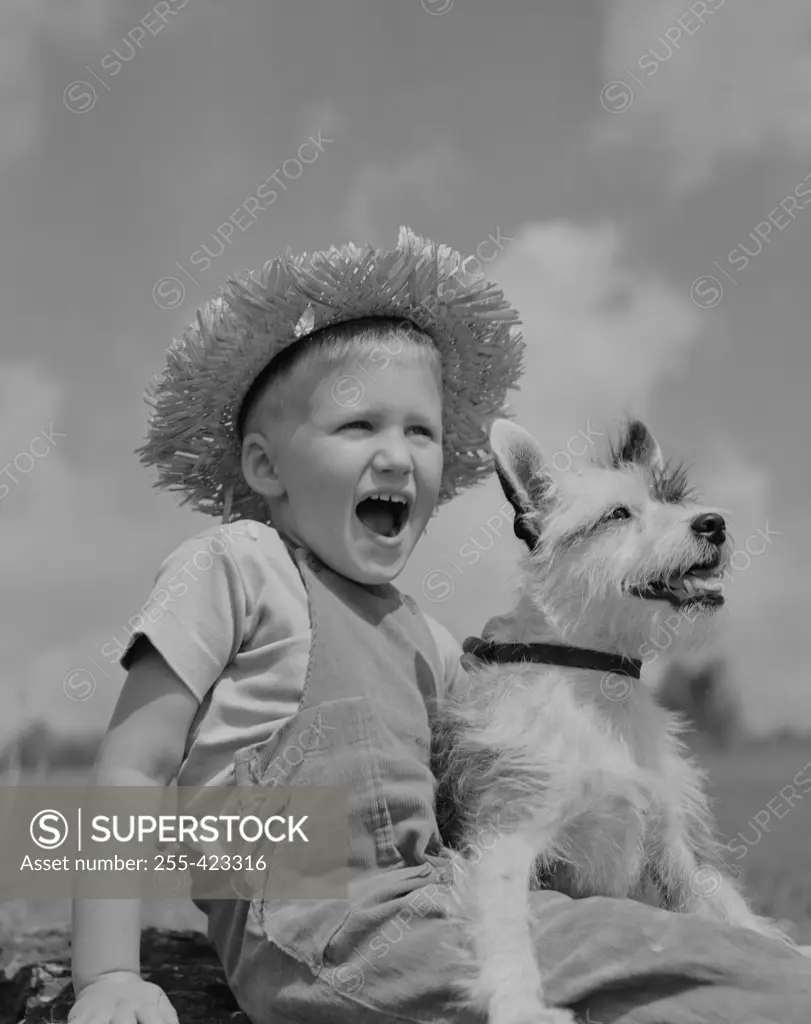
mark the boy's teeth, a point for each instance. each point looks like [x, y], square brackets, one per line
[371, 513]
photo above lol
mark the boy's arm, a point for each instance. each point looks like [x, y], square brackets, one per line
[144, 746]
[192, 626]
[455, 677]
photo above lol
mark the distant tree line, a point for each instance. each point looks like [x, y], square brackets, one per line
[39, 746]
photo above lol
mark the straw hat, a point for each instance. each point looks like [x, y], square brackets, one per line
[193, 438]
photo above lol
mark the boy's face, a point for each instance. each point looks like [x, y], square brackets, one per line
[358, 431]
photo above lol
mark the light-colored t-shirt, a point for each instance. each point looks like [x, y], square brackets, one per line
[229, 614]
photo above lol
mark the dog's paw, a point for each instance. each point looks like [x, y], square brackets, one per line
[556, 1017]
[542, 1015]
[514, 1009]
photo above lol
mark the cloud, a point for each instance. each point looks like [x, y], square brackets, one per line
[72, 518]
[24, 26]
[601, 334]
[708, 82]
[427, 177]
[80, 544]
[59, 516]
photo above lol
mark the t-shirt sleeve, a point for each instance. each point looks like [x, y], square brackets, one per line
[195, 614]
[450, 652]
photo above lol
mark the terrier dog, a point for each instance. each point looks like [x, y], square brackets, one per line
[556, 753]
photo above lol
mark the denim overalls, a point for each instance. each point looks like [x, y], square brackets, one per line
[387, 954]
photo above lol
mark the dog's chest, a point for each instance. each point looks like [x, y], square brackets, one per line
[601, 769]
[637, 725]
[623, 721]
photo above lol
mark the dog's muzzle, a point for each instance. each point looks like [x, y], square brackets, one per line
[699, 586]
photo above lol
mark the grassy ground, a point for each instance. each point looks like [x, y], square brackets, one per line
[776, 865]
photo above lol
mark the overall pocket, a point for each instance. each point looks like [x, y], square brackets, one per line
[334, 744]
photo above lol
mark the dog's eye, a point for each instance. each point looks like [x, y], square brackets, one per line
[620, 512]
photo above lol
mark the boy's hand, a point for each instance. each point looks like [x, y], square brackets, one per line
[122, 996]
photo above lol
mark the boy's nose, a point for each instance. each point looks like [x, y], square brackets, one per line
[393, 454]
[711, 526]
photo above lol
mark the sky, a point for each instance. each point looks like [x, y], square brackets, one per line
[646, 165]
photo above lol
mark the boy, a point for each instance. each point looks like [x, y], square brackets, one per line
[280, 409]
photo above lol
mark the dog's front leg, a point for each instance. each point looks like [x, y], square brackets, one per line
[494, 894]
[688, 860]
[695, 880]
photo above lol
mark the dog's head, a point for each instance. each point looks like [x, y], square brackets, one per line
[618, 549]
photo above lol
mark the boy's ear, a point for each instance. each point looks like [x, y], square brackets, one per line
[259, 466]
[526, 482]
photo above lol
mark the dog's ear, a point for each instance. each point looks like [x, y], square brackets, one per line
[523, 477]
[638, 445]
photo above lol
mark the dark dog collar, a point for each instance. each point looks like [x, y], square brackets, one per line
[553, 654]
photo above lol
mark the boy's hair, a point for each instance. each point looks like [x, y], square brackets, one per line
[272, 392]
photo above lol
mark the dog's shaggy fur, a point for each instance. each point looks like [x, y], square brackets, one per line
[571, 778]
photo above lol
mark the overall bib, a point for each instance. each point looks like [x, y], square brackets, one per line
[387, 953]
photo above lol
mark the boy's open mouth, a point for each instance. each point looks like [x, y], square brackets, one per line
[384, 514]
[700, 585]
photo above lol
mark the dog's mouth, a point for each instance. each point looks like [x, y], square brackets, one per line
[384, 516]
[700, 586]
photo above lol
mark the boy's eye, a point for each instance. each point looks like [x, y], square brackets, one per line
[366, 425]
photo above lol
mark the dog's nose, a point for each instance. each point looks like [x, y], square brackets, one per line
[711, 526]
